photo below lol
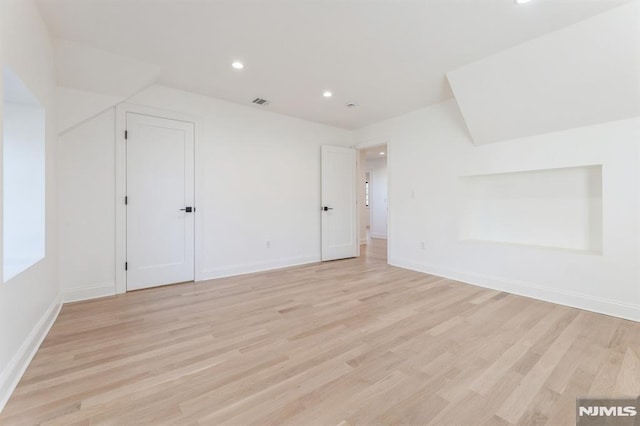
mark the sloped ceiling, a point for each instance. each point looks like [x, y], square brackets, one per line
[77, 106]
[91, 81]
[84, 68]
[389, 57]
[585, 74]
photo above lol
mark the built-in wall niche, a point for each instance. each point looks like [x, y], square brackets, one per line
[552, 208]
[23, 185]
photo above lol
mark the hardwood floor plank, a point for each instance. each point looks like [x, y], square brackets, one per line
[349, 342]
[516, 404]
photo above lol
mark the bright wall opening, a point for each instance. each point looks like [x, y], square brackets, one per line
[23, 177]
[553, 208]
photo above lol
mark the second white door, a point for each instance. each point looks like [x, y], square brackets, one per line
[160, 201]
[339, 208]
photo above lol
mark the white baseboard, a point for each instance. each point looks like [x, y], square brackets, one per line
[379, 236]
[230, 271]
[363, 241]
[85, 293]
[10, 378]
[567, 298]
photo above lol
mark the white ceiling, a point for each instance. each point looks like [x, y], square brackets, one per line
[388, 56]
[373, 153]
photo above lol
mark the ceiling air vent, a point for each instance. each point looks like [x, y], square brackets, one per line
[260, 101]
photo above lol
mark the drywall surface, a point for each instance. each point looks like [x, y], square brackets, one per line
[86, 156]
[584, 74]
[257, 181]
[93, 70]
[29, 301]
[91, 80]
[75, 106]
[432, 151]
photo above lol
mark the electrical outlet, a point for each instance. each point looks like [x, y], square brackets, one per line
[423, 246]
[268, 244]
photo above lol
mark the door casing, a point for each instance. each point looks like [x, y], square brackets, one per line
[370, 144]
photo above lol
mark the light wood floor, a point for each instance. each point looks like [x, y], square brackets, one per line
[347, 342]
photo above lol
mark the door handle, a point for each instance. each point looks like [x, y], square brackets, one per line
[325, 208]
[188, 209]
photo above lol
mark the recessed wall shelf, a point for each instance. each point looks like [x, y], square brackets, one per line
[553, 208]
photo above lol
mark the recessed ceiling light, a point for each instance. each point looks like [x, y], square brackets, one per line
[521, 1]
[382, 153]
[237, 65]
[327, 94]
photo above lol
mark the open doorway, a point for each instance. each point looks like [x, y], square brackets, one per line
[373, 212]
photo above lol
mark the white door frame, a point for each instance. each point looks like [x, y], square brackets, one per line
[121, 186]
[370, 144]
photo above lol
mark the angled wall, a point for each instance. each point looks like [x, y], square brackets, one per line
[90, 81]
[585, 74]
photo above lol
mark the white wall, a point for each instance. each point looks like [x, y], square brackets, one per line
[378, 197]
[86, 178]
[257, 180]
[29, 302]
[91, 81]
[432, 150]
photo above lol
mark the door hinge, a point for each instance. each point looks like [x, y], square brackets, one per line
[126, 266]
[126, 134]
[126, 200]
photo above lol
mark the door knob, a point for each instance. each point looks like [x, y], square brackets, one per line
[325, 208]
[188, 209]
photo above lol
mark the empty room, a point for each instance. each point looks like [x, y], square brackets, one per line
[320, 212]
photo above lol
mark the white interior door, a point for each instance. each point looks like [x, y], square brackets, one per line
[160, 201]
[339, 203]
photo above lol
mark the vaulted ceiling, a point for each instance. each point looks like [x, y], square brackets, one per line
[388, 57]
